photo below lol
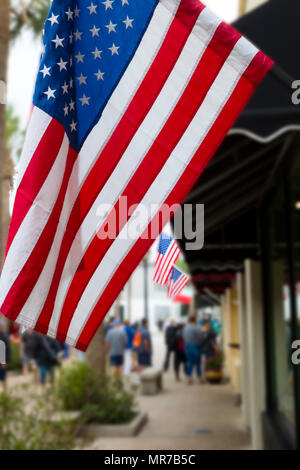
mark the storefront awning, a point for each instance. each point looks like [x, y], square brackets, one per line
[274, 28]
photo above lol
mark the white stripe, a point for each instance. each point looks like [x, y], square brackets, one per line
[38, 123]
[165, 271]
[170, 263]
[33, 223]
[208, 112]
[118, 103]
[164, 261]
[179, 287]
[135, 152]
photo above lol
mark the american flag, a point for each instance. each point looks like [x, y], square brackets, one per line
[178, 281]
[132, 99]
[167, 255]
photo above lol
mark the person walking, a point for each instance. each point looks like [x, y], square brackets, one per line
[3, 366]
[48, 353]
[27, 349]
[116, 340]
[170, 338]
[207, 343]
[179, 354]
[192, 337]
[143, 345]
[128, 348]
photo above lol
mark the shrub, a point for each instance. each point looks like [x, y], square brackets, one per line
[79, 387]
[32, 430]
[215, 363]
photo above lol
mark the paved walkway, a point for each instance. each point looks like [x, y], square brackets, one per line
[185, 417]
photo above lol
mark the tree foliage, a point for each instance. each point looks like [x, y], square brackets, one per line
[28, 14]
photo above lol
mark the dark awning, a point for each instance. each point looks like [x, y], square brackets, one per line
[274, 28]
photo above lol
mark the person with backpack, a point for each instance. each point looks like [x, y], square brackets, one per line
[143, 346]
[48, 353]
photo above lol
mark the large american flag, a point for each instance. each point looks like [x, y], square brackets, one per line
[167, 255]
[132, 98]
[178, 280]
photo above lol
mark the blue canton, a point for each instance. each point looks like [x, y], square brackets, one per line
[164, 243]
[176, 274]
[87, 48]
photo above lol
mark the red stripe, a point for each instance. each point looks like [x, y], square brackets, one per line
[35, 175]
[158, 268]
[239, 98]
[180, 286]
[31, 271]
[193, 96]
[110, 156]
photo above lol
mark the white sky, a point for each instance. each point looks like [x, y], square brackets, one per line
[24, 57]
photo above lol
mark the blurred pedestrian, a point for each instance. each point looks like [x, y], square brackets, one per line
[170, 338]
[144, 348]
[128, 348]
[116, 340]
[179, 354]
[192, 336]
[3, 367]
[48, 353]
[207, 343]
[27, 350]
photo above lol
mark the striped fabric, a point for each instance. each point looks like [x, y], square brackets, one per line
[187, 80]
[178, 281]
[167, 255]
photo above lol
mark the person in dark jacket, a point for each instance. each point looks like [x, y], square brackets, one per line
[170, 338]
[5, 351]
[179, 354]
[48, 353]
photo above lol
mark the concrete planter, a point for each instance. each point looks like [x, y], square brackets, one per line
[115, 430]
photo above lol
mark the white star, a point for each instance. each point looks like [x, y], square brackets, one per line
[53, 19]
[50, 93]
[111, 27]
[62, 65]
[95, 31]
[72, 105]
[79, 57]
[77, 35]
[69, 14]
[65, 88]
[58, 42]
[108, 4]
[45, 71]
[71, 38]
[85, 100]
[76, 12]
[66, 110]
[73, 126]
[71, 83]
[114, 49]
[43, 49]
[128, 22]
[92, 8]
[124, 2]
[99, 75]
[96, 53]
[82, 79]
[71, 61]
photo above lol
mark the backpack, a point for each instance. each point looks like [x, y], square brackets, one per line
[137, 340]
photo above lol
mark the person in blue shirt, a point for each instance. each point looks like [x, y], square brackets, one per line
[128, 348]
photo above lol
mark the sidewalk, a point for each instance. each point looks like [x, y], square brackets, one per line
[185, 417]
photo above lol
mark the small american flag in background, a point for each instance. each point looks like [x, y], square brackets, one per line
[178, 281]
[132, 99]
[168, 253]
